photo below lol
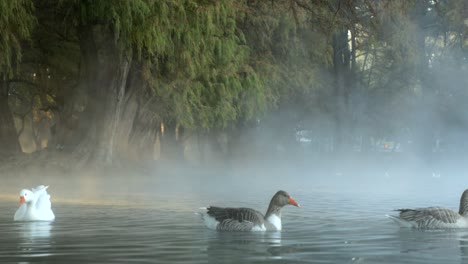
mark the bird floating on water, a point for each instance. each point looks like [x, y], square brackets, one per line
[246, 219]
[35, 205]
[435, 217]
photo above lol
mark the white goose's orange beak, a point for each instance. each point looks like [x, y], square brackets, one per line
[291, 201]
[22, 200]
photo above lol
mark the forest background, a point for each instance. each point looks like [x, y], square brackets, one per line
[203, 82]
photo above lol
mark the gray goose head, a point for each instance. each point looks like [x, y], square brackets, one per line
[279, 200]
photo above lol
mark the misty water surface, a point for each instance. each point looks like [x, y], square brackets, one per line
[154, 220]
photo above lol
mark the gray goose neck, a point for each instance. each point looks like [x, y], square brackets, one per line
[273, 209]
[464, 204]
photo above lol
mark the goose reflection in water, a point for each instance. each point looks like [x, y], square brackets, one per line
[439, 246]
[225, 246]
[35, 229]
[35, 239]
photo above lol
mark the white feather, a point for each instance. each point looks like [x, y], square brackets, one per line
[210, 221]
[275, 221]
[259, 228]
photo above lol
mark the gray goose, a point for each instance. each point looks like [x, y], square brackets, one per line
[246, 219]
[435, 217]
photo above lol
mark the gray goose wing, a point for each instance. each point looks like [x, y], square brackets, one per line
[430, 217]
[235, 219]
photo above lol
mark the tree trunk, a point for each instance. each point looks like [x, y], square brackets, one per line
[103, 77]
[9, 143]
[341, 64]
[138, 128]
[425, 128]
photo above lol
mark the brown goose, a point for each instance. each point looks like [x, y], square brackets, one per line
[435, 217]
[246, 219]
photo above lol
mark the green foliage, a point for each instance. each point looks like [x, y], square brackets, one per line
[135, 23]
[290, 51]
[205, 78]
[215, 64]
[16, 23]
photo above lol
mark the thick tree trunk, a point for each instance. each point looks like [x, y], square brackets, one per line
[9, 143]
[114, 110]
[138, 128]
[103, 77]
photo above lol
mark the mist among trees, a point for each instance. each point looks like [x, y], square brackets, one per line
[200, 81]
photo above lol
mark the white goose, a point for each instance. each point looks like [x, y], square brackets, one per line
[246, 219]
[35, 205]
[435, 217]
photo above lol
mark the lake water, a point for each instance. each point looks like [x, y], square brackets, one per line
[331, 226]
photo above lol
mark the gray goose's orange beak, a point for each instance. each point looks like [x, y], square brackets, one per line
[22, 200]
[291, 201]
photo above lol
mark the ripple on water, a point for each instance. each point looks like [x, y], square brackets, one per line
[326, 229]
